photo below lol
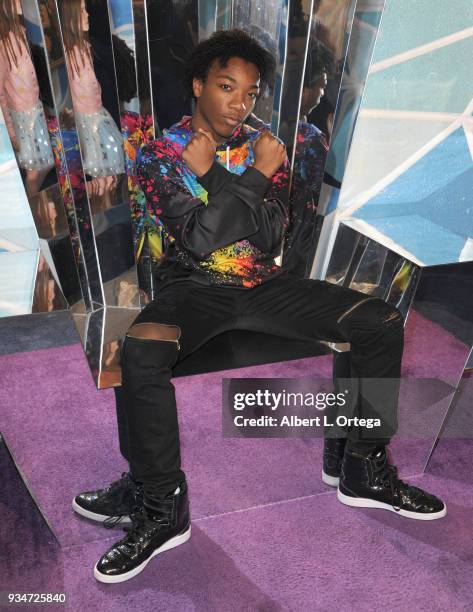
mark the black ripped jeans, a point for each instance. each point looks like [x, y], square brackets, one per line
[286, 306]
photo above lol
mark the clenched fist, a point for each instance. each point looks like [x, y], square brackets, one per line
[199, 153]
[269, 153]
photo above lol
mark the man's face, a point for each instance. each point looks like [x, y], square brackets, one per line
[227, 96]
[311, 96]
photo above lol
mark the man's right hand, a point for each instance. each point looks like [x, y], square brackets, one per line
[199, 154]
[269, 154]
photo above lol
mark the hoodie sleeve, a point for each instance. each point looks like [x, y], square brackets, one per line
[272, 211]
[233, 207]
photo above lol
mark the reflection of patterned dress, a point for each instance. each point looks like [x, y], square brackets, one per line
[22, 109]
[100, 139]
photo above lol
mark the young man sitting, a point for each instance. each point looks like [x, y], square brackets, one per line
[219, 188]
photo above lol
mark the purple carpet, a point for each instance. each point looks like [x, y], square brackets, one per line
[267, 534]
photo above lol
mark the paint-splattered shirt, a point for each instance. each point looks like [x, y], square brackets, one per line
[223, 228]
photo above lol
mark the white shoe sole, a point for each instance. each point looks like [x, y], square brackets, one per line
[331, 481]
[363, 502]
[172, 543]
[94, 516]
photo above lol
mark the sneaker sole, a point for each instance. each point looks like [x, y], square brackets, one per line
[331, 481]
[172, 543]
[93, 516]
[363, 502]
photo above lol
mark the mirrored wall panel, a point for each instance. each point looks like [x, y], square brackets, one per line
[53, 86]
[88, 109]
[32, 246]
[358, 58]
[130, 46]
[173, 29]
[408, 178]
[325, 58]
[214, 15]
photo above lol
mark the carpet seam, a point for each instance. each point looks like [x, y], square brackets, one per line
[212, 516]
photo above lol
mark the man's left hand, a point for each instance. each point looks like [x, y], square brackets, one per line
[199, 154]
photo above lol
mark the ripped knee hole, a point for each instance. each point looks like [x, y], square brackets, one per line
[155, 331]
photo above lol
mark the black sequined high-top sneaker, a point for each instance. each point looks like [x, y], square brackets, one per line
[154, 530]
[111, 505]
[368, 481]
[334, 449]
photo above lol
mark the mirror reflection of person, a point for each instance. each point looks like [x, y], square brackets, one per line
[328, 27]
[19, 98]
[110, 370]
[319, 66]
[53, 45]
[113, 60]
[100, 139]
[51, 224]
[45, 297]
[47, 216]
[309, 162]
[219, 187]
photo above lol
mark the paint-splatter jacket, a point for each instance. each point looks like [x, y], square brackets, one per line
[223, 228]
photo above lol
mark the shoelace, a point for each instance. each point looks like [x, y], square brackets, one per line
[388, 473]
[123, 488]
[141, 520]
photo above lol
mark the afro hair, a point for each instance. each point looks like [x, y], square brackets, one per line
[222, 46]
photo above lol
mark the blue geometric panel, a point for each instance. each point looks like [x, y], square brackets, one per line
[431, 244]
[417, 22]
[428, 210]
[439, 81]
[17, 228]
[17, 277]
